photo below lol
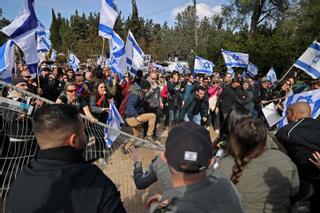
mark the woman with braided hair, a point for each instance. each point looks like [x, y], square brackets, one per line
[264, 176]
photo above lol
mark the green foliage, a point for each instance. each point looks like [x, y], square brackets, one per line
[3, 22]
[281, 32]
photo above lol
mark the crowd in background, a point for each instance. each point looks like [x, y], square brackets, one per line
[266, 170]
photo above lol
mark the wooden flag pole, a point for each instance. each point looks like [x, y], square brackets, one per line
[283, 77]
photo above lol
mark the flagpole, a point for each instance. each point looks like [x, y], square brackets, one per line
[38, 77]
[283, 77]
[102, 51]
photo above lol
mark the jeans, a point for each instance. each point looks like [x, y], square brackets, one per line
[196, 119]
[173, 115]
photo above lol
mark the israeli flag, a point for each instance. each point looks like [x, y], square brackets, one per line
[235, 59]
[272, 76]
[115, 121]
[22, 31]
[230, 71]
[73, 61]
[203, 66]
[252, 69]
[312, 97]
[7, 60]
[309, 62]
[53, 55]
[43, 42]
[134, 55]
[182, 69]
[108, 16]
[117, 55]
[99, 60]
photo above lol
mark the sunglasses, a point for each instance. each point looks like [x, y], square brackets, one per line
[29, 76]
[72, 90]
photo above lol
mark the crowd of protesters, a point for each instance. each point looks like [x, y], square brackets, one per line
[260, 172]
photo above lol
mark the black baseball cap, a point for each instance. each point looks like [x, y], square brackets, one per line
[188, 148]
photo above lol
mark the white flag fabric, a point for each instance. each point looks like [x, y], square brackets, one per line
[235, 59]
[182, 69]
[117, 55]
[115, 121]
[272, 76]
[53, 55]
[252, 69]
[312, 97]
[309, 62]
[73, 61]
[43, 42]
[7, 61]
[231, 71]
[108, 16]
[134, 55]
[23, 32]
[202, 65]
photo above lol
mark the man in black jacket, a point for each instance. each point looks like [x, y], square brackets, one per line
[301, 138]
[196, 107]
[228, 98]
[58, 179]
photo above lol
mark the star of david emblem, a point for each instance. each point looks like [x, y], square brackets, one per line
[113, 60]
[235, 57]
[206, 65]
[307, 99]
[316, 59]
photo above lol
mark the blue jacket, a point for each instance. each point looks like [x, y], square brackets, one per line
[135, 105]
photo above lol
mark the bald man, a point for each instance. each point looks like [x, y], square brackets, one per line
[301, 137]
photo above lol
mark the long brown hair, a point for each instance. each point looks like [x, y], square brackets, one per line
[95, 88]
[247, 141]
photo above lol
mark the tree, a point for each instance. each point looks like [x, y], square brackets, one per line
[55, 37]
[3, 37]
[261, 10]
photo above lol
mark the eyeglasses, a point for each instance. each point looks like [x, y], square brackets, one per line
[72, 90]
[29, 76]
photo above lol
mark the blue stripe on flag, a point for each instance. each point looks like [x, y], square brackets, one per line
[46, 43]
[119, 53]
[129, 61]
[308, 68]
[117, 40]
[316, 107]
[32, 68]
[134, 71]
[288, 103]
[30, 23]
[202, 71]
[113, 69]
[105, 29]
[315, 46]
[235, 64]
[110, 3]
[40, 33]
[135, 45]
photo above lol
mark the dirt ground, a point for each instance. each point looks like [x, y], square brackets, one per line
[119, 169]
